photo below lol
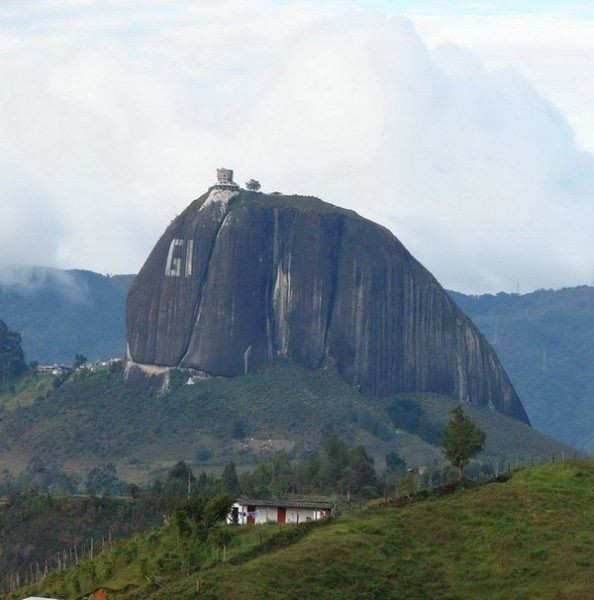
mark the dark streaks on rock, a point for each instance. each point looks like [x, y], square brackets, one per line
[293, 276]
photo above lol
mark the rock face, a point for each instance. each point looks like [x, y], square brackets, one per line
[240, 278]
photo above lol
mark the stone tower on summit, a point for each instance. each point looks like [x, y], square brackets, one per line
[225, 179]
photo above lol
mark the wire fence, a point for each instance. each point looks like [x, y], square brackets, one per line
[60, 561]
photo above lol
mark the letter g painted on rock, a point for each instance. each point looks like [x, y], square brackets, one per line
[174, 265]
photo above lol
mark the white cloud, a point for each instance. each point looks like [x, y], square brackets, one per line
[30, 225]
[119, 113]
[555, 52]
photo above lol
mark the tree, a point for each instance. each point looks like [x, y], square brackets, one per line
[79, 361]
[104, 480]
[198, 516]
[462, 440]
[409, 485]
[282, 475]
[334, 460]
[229, 480]
[180, 480]
[407, 415]
[238, 429]
[252, 185]
[12, 357]
[395, 465]
[180, 472]
[359, 475]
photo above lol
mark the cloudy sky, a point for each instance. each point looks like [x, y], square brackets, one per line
[465, 127]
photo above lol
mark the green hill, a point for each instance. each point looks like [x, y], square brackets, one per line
[96, 417]
[528, 537]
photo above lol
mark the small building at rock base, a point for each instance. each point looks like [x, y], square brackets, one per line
[53, 370]
[248, 511]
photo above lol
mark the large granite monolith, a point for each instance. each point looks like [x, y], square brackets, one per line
[241, 278]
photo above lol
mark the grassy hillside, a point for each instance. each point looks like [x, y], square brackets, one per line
[25, 391]
[529, 537]
[545, 341]
[94, 418]
[61, 313]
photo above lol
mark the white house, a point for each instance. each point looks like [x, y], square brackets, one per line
[247, 511]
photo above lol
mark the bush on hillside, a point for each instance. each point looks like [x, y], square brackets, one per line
[409, 416]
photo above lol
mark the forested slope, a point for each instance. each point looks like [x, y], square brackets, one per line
[96, 417]
[545, 341]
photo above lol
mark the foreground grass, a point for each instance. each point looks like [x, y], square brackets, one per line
[530, 537]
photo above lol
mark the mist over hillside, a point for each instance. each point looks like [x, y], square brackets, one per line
[60, 313]
[544, 339]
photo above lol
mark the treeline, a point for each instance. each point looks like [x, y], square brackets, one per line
[198, 503]
[42, 477]
[336, 470]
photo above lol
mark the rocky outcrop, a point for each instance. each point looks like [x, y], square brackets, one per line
[240, 278]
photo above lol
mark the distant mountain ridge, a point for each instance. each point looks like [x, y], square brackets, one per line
[63, 312]
[545, 339]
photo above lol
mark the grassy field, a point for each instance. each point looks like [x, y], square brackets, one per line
[528, 537]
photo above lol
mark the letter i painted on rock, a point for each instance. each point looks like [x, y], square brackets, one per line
[173, 266]
[189, 257]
